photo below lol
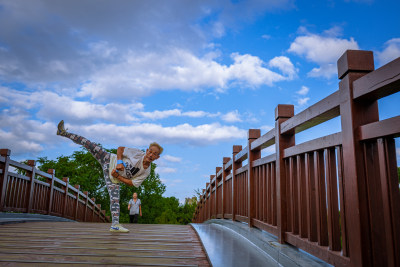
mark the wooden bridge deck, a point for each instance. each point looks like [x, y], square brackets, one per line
[71, 243]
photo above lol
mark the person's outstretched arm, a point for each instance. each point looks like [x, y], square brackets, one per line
[120, 151]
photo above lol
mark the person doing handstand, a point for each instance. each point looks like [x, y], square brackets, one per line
[130, 166]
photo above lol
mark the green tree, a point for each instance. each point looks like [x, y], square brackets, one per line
[150, 194]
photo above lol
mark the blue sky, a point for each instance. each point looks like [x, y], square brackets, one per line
[191, 75]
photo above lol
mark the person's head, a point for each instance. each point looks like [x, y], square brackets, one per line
[134, 196]
[153, 152]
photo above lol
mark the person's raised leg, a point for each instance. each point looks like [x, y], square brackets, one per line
[97, 151]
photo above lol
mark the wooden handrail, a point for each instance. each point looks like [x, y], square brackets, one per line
[337, 196]
[52, 197]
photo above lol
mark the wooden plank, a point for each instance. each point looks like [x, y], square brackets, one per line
[332, 194]
[264, 141]
[265, 226]
[345, 242]
[321, 213]
[316, 144]
[324, 110]
[331, 257]
[92, 243]
[242, 169]
[301, 196]
[242, 155]
[388, 127]
[311, 198]
[264, 160]
[293, 196]
[379, 83]
[228, 165]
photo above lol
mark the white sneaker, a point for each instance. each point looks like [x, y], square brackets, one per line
[118, 228]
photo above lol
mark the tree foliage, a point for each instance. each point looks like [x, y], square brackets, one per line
[82, 168]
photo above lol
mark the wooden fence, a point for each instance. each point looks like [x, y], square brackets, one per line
[336, 197]
[27, 193]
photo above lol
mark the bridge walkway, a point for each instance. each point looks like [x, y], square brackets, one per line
[75, 244]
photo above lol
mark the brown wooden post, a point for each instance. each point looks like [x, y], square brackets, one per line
[4, 176]
[217, 169]
[65, 188]
[235, 166]
[213, 214]
[253, 134]
[208, 195]
[99, 208]
[51, 183]
[77, 202]
[351, 66]
[94, 207]
[224, 174]
[31, 175]
[86, 204]
[282, 113]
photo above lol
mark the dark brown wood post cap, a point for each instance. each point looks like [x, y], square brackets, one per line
[5, 152]
[254, 133]
[236, 149]
[355, 61]
[284, 111]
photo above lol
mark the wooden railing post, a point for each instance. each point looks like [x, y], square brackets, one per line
[224, 191]
[94, 207]
[99, 208]
[208, 195]
[4, 176]
[86, 204]
[212, 205]
[253, 134]
[282, 113]
[31, 175]
[235, 166]
[65, 188]
[51, 183]
[217, 169]
[77, 186]
[351, 66]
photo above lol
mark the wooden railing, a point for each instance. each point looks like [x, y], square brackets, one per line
[46, 195]
[336, 197]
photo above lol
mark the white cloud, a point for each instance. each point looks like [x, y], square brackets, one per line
[390, 52]
[303, 91]
[52, 106]
[232, 116]
[284, 65]
[171, 158]
[322, 50]
[138, 74]
[86, 39]
[24, 135]
[303, 101]
[158, 114]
